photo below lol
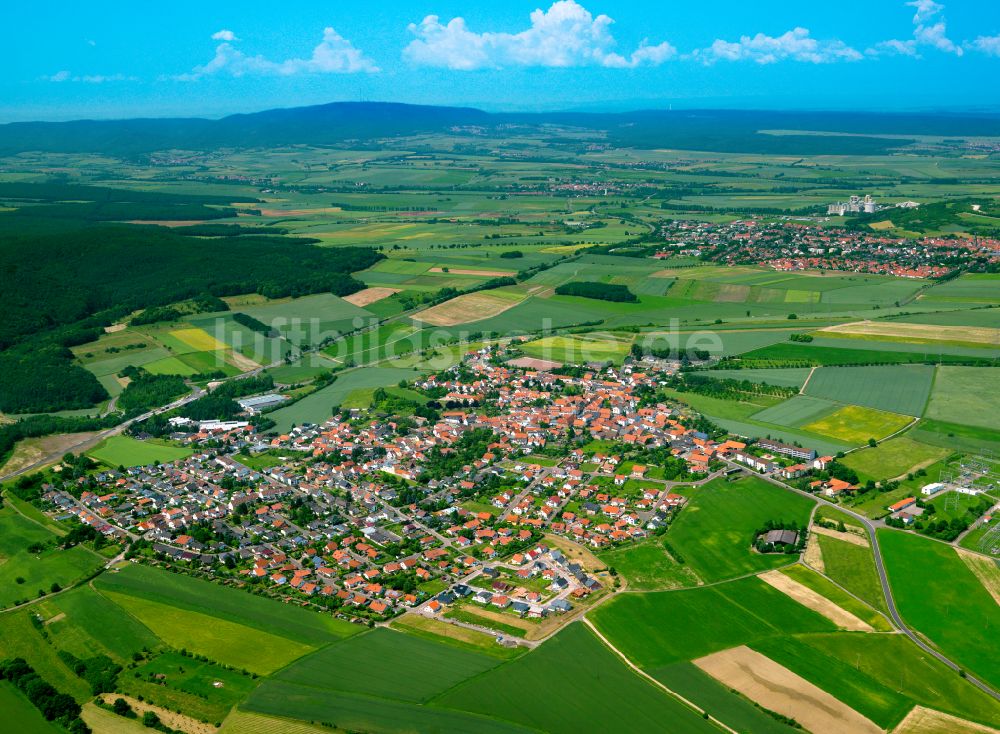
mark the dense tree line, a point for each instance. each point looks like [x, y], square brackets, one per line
[729, 388]
[145, 391]
[199, 304]
[600, 291]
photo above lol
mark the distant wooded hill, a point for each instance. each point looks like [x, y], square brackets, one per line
[714, 130]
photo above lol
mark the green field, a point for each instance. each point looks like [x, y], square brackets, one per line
[856, 424]
[578, 350]
[724, 704]
[387, 664]
[893, 458]
[318, 406]
[20, 715]
[791, 377]
[797, 411]
[715, 531]
[649, 567]
[24, 574]
[824, 587]
[844, 353]
[853, 567]
[348, 712]
[216, 638]
[118, 451]
[898, 389]
[84, 622]
[938, 594]
[966, 395]
[591, 682]
[712, 618]
[203, 690]
[880, 675]
[266, 615]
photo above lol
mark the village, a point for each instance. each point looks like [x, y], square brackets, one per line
[462, 516]
[793, 244]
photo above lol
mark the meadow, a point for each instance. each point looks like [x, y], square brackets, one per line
[856, 424]
[966, 395]
[86, 623]
[218, 639]
[649, 567]
[200, 689]
[893, 458]
[715, 530]
[116, 451]
[853, 567]
[938, 594]
[234, 605]
[26, 575]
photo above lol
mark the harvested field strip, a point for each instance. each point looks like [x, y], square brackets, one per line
[928, 721]
[776, 688]
[848, 537]
[482, 273]
[815, 601]
[466, 308]
[919, 333]
[370, 295]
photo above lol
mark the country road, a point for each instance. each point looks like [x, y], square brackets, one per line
[106, 433]
[883, 578]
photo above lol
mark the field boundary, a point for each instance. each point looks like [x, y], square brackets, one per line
[643, 674]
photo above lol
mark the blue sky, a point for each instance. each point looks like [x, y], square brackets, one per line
[71, 60]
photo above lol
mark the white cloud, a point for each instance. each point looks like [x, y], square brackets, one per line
[793, 45]
[66, 76]
[334, 54]
[925, 33]
[989, 45]
[565, 35]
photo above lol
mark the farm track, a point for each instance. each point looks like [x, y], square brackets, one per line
[650, 679]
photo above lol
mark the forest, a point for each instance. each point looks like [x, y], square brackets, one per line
[600, 291]
[65, 279]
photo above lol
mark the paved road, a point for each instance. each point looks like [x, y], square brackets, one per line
[94, 440]
[883, 578]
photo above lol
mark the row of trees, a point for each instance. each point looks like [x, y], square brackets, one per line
[599, 291]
